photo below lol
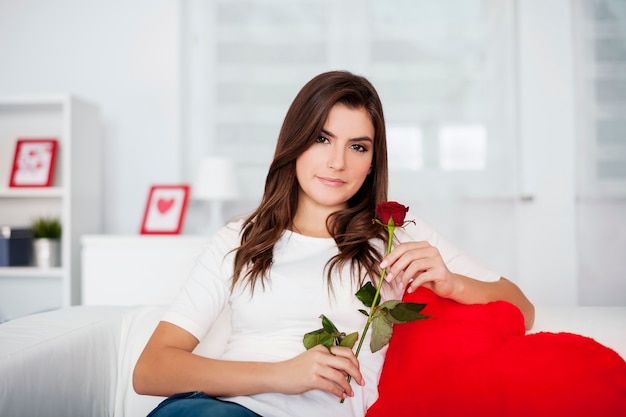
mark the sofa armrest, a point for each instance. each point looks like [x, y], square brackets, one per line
[137, 327]
[607, 325]
[60, 363]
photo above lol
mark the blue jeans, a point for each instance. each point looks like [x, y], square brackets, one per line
[198, 404]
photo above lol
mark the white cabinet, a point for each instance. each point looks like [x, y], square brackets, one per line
[75, 196]
[136, 270]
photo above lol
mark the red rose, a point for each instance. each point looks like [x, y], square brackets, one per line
[391, 210]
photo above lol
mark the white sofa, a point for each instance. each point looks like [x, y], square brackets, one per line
[78, 361]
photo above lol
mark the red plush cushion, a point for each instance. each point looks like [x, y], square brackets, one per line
[474, 360]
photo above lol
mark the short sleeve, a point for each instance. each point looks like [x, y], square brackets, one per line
[207, 290]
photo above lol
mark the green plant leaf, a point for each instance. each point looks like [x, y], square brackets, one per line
[349, 340]
[381, 333]
[366, 294]
[328, 325]
[327, 340]
[379, 311]
[318, 337]
[365, 313]
[405, 312]
[386, 309]
[46, 227]
[312, 338]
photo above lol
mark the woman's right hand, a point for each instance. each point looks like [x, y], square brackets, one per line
[168, 366]
[317, 368]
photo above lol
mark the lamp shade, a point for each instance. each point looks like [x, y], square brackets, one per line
[216, 180]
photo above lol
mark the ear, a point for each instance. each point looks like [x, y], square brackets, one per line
[370, 170]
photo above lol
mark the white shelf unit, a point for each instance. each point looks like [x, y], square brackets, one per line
[75, 195]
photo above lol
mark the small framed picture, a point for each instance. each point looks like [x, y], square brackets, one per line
[165, 210]
[33, 163]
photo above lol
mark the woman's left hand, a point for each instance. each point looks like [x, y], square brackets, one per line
[412, 264]
[420, 263]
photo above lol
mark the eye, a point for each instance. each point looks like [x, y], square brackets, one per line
[321, 139]
[358, 147]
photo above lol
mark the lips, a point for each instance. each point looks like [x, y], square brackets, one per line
[331, 182]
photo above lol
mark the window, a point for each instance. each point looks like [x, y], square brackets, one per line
[601, 62]
[444, 71]
[600, 30]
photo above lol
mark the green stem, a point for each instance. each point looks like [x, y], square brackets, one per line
[390, 229]
[371, 314]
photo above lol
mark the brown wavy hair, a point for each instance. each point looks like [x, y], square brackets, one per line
[352, 227]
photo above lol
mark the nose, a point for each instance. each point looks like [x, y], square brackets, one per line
[337, 158]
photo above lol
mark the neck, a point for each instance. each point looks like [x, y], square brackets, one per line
[310, 218]
[308, 230]
[310, 224]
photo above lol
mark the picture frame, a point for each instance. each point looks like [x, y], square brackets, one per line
[165, 209]
[34, 162]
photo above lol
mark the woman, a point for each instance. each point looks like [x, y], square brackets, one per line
[304, 252]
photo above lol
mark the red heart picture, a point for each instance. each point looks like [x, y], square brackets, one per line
[165, 209]
[163, 205]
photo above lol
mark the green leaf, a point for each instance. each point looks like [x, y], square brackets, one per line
[318, 337]
[365, 313]
[46, 227]
[327, 340]
[405, 312]
[387, 307]
[312, 339]
[381, 333]
[379, 311]
[328, 325]
[366, 294]
[349, 340]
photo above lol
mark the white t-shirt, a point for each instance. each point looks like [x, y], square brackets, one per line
[270, 325]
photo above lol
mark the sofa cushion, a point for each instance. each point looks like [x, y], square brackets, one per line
[137, 327]
[60, 363]
[477, 360]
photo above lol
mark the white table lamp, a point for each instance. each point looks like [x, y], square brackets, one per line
[215, 183]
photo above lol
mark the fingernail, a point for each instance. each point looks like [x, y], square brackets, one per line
[383, 264]
[389, 276]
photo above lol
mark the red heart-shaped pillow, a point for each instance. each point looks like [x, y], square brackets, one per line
[475, 360]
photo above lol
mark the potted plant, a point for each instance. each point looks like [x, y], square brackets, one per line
[46, 241]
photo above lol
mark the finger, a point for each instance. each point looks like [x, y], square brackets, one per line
[329, 373]
[395, 253]
[336, 383]
[349, 367]
[416, 283]
[353, 368]
[416, 269]
[344, 352]
[400, 250]
[395, 270]
[434, 280]
[400, 260]
[423, 259]
[327, 385]
[409, 266]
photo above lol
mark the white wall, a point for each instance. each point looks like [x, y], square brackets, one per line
[121, 55]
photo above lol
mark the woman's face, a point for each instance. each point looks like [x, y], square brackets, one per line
[333, 169]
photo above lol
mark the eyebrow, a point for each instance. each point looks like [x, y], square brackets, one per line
[358, 139]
